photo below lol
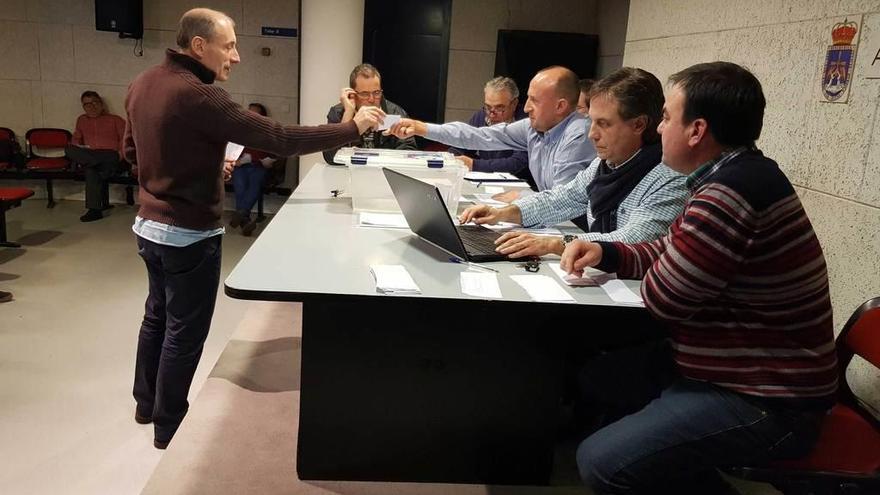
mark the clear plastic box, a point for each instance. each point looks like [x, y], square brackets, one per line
[371, 192]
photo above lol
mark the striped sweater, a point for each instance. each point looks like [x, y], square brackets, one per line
[741, 282]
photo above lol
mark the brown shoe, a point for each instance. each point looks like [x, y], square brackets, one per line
[248, 227]
[5, 296]
[142, 420]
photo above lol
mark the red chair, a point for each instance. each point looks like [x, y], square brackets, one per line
[10, 197]
[45, 138]
[10, 152]
[846, 458]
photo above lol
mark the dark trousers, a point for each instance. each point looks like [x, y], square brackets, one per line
[247, 181]
[99, 166]
[675, 432]
[177, 317]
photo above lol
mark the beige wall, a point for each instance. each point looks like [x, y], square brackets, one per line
[474, 32]
[52, 53]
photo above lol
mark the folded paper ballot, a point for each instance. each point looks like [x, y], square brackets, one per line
[393, 279]
[233, 151]
[573, 280]
[480, 284]
[388, 121]
[382, 220]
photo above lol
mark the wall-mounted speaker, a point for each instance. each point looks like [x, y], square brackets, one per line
[125, 17]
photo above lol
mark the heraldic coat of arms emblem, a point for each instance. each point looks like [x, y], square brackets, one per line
[839, 61]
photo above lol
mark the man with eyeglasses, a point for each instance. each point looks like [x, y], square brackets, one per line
[554, 135]
[365, 89]
[500, 106]
[97, 146]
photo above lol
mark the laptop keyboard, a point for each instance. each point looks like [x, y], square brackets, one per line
[477, 239]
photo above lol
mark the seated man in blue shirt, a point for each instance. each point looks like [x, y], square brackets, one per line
[554, 135]
[500, 105]
[625, 195]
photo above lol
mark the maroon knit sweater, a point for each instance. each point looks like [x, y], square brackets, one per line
[176, 133]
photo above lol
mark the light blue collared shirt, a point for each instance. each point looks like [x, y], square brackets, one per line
[555, 156]
[169, 235]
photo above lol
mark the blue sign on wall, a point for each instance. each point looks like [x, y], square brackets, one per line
[277, 31]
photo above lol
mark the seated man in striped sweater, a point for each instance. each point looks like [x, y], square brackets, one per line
[626, 194]
[740, 283]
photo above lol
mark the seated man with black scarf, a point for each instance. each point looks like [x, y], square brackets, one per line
[625, 195]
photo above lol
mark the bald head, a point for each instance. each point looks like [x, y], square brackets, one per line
[201, 22]
[562, 81]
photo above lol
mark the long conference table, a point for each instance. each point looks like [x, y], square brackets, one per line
[436, 387]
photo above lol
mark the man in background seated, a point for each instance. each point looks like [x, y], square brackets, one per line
[626, 194]
[97, 145]
[554, 135]
[500, 105]
[248, 178]
[741, 284]
[583, 106]
[365, 89]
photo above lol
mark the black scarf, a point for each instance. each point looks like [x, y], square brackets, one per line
[611, 186]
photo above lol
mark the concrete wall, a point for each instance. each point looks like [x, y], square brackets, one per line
[831, 152]
[474, 32]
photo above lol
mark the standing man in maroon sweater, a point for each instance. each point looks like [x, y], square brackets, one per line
[740, 283]
[177, 129]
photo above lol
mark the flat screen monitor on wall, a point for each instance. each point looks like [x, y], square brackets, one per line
[125, 17]
[520, 54]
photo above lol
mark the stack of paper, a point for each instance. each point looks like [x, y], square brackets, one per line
[393, 279]
[573, 280]
[382, 220]
[479, 284]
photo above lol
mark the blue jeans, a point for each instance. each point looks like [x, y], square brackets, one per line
[247, 181]
[685, 431]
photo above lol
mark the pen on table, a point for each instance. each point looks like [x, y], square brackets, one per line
[475, 265]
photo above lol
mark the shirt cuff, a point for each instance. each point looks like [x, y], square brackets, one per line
[610, 257]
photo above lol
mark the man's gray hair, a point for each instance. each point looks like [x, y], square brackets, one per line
[199, 22]
[502, 83]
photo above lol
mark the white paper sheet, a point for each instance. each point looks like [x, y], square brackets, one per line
[233, 151]
[480, 284]
[481, 198]
[621, 294]
[491, 190]
[382, 220]
[542, 288]
[394, 279]
[389, 121]
[491, 177]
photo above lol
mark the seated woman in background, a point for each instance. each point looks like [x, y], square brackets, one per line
[248, 177]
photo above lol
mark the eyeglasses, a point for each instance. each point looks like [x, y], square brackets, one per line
[497, 108]
[367, 94]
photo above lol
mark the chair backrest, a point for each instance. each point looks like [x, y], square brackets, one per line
[859, 337]
[45, 138]
[7, 134]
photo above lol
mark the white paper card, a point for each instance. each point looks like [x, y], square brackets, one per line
[233, 151]
[493, 190]
[621, 294]
[491, 176]
[382, 220]
[389, 121]
[573, 280]
[542, 288]
[393, 279]
[480, 284]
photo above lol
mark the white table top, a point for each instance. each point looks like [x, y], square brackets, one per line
[312, 247]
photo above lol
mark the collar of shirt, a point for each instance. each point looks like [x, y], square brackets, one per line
[557, 131]
[704, 171]
[615, 167]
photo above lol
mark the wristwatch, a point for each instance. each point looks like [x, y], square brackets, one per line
[567, 239]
